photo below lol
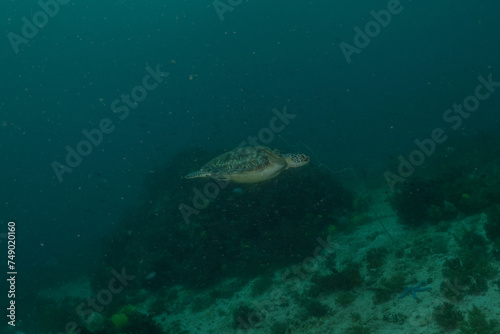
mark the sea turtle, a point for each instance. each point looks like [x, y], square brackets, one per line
[249, 164]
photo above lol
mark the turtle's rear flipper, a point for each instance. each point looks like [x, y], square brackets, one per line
[221, 178]
[198, 173]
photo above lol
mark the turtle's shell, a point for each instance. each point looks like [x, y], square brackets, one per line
[242, 160]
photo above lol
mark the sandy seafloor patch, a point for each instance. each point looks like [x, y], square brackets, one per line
[279, 303]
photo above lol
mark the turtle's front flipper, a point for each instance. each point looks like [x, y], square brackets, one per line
[272, 156]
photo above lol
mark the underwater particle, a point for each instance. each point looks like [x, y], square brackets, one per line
[238, 191]
[151, 275]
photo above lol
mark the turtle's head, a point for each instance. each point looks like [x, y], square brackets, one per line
[296, 160]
